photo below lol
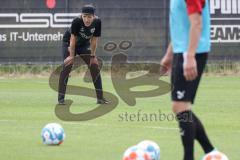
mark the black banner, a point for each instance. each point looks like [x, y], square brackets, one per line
[225, 30]
[31, 31]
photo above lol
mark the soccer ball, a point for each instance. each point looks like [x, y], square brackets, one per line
[215, 155]
[135, 153]
[53, 134]
[151, 148]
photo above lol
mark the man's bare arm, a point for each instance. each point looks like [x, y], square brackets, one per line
[72, 45]
[70, 58]
[94, 45]
[190, 64]
[195, 33]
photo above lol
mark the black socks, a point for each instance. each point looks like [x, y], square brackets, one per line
[201, 135]
[191, 128]
[187, 132]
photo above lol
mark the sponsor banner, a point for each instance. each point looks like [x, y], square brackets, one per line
[225, 24]
[225, 21]
[13, 22]
[25, 28]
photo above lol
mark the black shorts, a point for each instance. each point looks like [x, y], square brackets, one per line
[183, 90]
[79, 50]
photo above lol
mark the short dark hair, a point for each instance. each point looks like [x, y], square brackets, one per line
[88, 9]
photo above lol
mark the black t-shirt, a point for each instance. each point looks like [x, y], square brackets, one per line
[83, 33]
[67, 36]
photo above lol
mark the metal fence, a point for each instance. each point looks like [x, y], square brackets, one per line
[31, 31]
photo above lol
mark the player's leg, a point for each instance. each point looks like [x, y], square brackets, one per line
[96, 77]
[201, 135]
[182, 108]
[63, 79]
[183, 95]
[187, 127]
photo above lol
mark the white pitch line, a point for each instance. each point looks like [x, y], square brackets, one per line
[164, 128]
[11, 82]
[7, 120]
[101, 125]
[105, 125]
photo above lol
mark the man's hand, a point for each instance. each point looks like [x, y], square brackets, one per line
[166, 64]
[69, 60]
[93, 60]
[189, 67]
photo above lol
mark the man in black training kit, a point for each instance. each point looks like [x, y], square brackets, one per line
[81, 39]
[186, 56]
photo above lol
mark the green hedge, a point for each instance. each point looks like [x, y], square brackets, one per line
[20, 69]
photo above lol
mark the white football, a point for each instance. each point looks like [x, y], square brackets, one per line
[151, 148]
[53, 134]
[135, 153]
[215, 155]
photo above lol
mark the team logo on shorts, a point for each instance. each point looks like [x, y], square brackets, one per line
[180, 94]
[92, 30]
[181, 132]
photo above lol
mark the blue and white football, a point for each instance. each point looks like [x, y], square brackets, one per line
[151, 148]
[53, 134]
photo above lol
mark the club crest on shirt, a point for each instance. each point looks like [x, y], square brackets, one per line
[82, 29]
[92, 30]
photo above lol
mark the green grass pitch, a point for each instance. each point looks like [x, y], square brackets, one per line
[27, 104]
